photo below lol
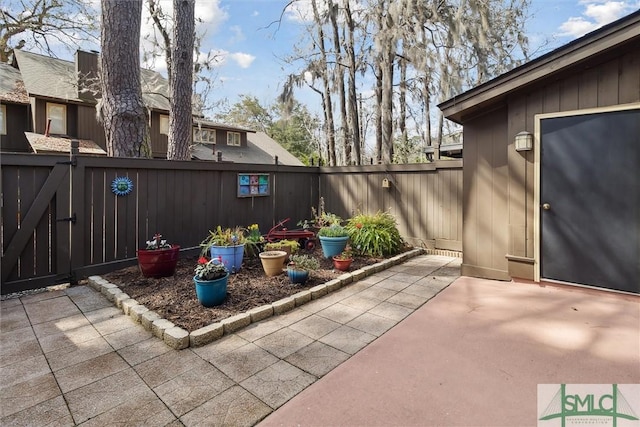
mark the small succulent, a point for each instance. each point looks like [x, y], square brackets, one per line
[303, 262]
[157, 243]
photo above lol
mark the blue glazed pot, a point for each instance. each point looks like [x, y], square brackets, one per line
[231, 256]
[211, 292]
[297, 276]
[332, 246]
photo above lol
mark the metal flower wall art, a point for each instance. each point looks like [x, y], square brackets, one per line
[121, 186]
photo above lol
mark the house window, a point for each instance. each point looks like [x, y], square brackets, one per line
[3, 119]
[233, 138]
[57, 113]
[164, 125]
[204, 136]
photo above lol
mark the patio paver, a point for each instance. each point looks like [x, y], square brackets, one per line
[74, 358]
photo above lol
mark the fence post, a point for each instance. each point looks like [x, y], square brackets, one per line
[77, 184]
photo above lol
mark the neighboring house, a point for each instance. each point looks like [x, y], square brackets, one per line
[451, 147]
[37, 89]
[259, 149]
[14, 110]
[551, 186]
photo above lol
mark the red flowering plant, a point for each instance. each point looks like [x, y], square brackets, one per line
[210, 269]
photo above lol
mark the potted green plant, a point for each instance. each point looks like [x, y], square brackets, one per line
[254, 241]
[333, 239]
[300, 266]
[211, 278]
[226, 244]
[159, 258]
[343, 260]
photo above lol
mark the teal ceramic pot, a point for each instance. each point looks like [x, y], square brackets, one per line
[297, 276]
[231, 256]
[332, 246]
[211, 292]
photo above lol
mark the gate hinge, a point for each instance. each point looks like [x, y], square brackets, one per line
[71, 218]
[72, 162]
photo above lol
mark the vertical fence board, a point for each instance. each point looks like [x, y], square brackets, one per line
[28, 191]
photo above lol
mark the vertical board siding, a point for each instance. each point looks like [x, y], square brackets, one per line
[497, 177]
[15, 140]
[183, 200]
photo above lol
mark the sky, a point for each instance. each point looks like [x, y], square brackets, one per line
[255, 36]
[252, 38]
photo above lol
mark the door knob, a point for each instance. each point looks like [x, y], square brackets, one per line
[546, 206]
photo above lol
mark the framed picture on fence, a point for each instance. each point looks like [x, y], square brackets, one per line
[253, 184]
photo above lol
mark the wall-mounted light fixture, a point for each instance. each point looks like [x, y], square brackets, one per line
[524, 141]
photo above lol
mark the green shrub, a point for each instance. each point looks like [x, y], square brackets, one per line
[374, 235]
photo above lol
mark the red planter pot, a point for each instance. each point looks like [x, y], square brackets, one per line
[342, 264]
[158, 262]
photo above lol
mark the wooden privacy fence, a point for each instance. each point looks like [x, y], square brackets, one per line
[62, 222]
[425, 198]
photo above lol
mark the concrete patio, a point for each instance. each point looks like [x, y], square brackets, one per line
[372, 353]
[70, 357]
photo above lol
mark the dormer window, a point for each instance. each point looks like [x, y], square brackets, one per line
[233, 138]
[57, 113]
[204, 136]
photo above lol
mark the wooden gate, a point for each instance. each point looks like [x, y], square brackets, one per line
[37, 230]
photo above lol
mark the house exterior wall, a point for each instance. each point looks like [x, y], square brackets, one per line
[88, 126]
[17, 124]
[159, 141]
[497, 177]
[41, 116]
[221, 137]
[485, 196]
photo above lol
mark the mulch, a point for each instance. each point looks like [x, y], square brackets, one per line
[174, 298]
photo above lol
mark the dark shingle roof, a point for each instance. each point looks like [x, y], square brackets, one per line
[260, 149]
[56, 78]
[11, 85]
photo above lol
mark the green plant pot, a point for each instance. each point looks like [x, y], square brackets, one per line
[332, 246]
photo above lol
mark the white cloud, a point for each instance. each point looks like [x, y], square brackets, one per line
[210, 17]
[596, 14]
[244, 60]
[238, 35]
[222, 57]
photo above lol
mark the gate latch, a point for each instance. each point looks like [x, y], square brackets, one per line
[71, 218]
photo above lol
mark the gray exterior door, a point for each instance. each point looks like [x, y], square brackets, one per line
[590, 199]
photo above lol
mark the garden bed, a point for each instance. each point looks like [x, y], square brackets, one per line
[174, 298]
